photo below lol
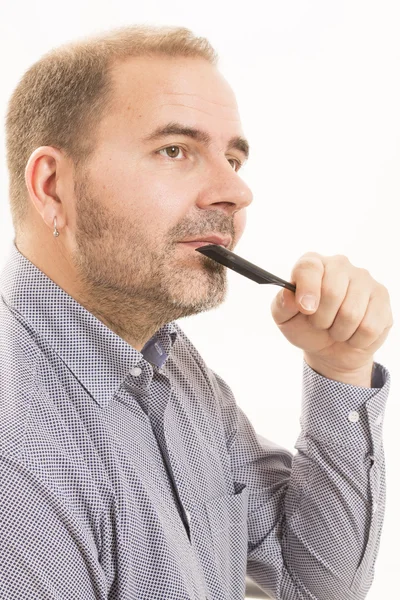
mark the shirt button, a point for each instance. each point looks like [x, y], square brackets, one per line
[375, 507]
[353, 416]
[379, 419]
[136, 371]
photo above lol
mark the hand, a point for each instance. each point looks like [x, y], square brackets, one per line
[351, 320]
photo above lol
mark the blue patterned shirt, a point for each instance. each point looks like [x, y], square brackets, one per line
[135, 476]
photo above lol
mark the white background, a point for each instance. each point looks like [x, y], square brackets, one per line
[317, 83]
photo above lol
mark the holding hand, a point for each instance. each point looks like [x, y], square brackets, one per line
[350, 320]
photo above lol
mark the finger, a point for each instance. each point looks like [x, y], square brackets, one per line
[307, 275]
[372, 348]
[353, 308]
[376, 319]
[284, 306]
[334, 287]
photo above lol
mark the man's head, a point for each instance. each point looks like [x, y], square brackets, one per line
[145, 157]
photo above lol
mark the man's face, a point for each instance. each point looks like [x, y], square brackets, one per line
[137, 200]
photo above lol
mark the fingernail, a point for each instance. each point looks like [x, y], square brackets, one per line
[309, 302]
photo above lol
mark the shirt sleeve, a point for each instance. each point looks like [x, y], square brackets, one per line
[45, 552]
[314, 519]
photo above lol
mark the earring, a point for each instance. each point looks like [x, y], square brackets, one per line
[55, 232]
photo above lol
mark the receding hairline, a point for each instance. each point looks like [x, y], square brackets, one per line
[61, 98]
[116, 66]
[237, 142]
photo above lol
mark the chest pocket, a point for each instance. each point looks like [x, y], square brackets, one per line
[227, 516]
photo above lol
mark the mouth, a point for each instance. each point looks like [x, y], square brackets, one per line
[207, 240]
[196, 244]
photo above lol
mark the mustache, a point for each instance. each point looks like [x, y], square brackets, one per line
[217, 227]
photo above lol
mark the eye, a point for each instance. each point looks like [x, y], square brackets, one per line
[171, 151]
[236, 163]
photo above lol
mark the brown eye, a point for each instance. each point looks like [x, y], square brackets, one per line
[235, 163]
[172, 151]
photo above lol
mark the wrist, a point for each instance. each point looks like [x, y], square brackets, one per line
[361, 377]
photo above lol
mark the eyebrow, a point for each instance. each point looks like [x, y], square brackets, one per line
[173, 128]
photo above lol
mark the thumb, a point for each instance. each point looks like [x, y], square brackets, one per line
[284, 306]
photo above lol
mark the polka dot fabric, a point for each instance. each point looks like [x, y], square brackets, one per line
[135, 476]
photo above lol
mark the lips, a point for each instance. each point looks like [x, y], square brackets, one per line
[209, 239]
[195, 244]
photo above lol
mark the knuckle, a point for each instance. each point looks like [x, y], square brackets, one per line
[331, 294]
[383, 289]
[341, 259]
[306, 263]
[350, 314]
[311, 254]
[365, 272]
[369, 329]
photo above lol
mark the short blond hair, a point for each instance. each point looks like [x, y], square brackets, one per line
[61, 98]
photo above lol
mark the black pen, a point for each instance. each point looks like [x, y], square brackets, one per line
[231, 260]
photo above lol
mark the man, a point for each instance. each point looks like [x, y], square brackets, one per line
[128, 470]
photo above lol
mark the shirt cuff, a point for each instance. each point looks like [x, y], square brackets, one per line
[342, 413]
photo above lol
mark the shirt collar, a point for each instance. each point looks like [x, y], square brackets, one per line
[97, 356]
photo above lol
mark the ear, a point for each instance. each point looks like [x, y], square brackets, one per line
[41, 173]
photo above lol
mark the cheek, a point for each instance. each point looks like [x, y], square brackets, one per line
[142, 197]
[154, 200]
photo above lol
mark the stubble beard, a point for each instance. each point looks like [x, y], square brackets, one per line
[123, 277]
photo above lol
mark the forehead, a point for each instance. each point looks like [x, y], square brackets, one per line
[152, 90]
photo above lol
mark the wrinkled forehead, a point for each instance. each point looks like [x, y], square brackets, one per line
[168, 88]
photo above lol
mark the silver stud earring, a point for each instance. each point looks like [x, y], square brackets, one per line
[55, 232]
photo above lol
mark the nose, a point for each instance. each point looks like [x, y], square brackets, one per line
[223, 188]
